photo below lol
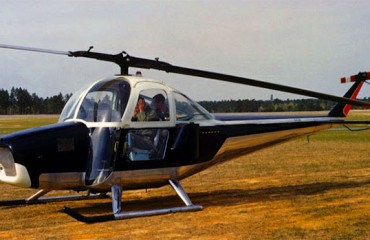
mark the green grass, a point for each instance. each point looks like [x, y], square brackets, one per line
[342, 135]
[13, 124]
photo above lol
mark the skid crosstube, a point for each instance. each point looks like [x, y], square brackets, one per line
[117, 203]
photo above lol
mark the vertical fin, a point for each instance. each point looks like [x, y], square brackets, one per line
[342, 109]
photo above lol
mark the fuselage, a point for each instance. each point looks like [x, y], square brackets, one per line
[100, 139]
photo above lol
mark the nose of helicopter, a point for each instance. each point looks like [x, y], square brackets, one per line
[11, 172]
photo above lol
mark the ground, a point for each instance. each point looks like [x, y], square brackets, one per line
[316, 189]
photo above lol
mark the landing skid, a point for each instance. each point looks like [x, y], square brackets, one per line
[117, 203]
[37, 198]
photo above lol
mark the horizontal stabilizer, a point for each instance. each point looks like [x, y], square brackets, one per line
[364, 75]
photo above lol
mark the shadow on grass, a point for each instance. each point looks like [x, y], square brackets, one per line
[237, 196]
[222, 197]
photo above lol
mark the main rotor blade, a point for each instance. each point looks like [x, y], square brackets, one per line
[125, 61]
[34, 49]
[163, 66]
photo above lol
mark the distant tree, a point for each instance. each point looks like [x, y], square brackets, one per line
[37, 104]
[13, 101]
[24, 100]
[4, 101]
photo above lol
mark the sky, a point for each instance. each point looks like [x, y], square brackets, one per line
[305, 44]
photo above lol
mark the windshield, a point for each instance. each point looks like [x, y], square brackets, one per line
[187, 110]
[71, 105]
[105, 102]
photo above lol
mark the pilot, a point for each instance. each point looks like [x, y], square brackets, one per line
[143, 138]
[160, 107]
[143, 112]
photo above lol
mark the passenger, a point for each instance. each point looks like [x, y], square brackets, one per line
[143, 138]
[143, 112]
[160, 107]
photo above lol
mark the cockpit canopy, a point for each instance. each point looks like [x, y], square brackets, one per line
[107, 100]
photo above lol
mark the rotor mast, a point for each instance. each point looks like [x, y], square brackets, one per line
[119, 59]
[124, 61]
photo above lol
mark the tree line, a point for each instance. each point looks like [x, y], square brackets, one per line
[20, 101]
[275, 105]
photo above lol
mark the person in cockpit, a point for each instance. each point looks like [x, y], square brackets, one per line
[143, 112]
[160, 107]
[143, 138]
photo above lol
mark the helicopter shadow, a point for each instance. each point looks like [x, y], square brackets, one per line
[240, 196]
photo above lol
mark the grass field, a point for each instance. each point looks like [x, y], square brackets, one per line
[10, 124]
[298, 190]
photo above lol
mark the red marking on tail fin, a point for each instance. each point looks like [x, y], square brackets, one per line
[348, 107]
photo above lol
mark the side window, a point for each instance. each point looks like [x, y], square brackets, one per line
[187, 110]
[152, 105]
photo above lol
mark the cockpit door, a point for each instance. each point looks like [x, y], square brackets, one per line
[101, 155]
[102, 107]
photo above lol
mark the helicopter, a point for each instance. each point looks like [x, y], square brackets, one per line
[129, 132]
